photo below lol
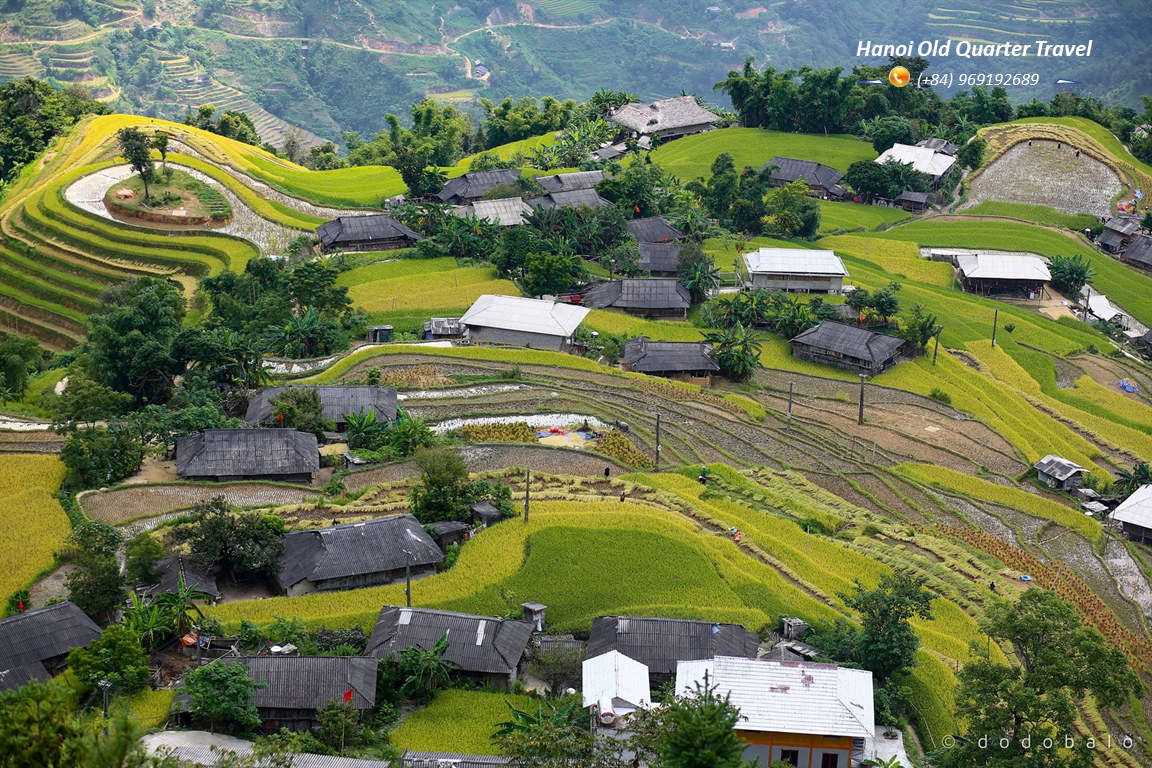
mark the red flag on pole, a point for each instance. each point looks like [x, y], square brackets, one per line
[348, 696]
[637, 209]
[665, 238]
[21, 606]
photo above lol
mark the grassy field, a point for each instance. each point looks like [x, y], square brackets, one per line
[691, 157]
[458, 721]
[435, 287]
[33, 517]
[1037, 214]
[902, 259]
[835, 216]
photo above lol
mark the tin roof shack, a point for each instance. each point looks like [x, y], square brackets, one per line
[34, 645]
[414, 759]
[297, 686]
[801, 713]
[847, 346]
[337, 402]
[660, 643]
[567, 182]
[482, 648]
[794, 270]
[822, 181]
[475, 185]
[519, 322]
[1058, 473]
[659, 259]
[225, 455]
[913, 202]
[505, 212]
[376, 232]
[1118, 234]
[998, 274]
[1135, 514]
[939, 145]
[928, 161]
[175, 567]
[687, 360]
[444, 328]
[1139, 254]
[653, 230]
[651, 297]
[667, 118]
[355, 555]
[574, 198]
[616, 685]
[448, 532]
[485, 514]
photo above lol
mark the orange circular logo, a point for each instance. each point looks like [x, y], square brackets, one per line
[899, 76]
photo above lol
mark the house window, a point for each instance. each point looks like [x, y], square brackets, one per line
[830, 761]
[790, 756]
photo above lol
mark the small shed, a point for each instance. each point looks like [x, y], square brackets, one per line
[913, 202]
[795, 270]
[1139, 254]
[822, 181]
[375, 232]
[1135, 514]
[651, 297]
[989, 274]
[355, 555]
[337, 402]
[653, 229]
[687, 360]
[575, 198]
[847, 346]
[443, 328]
[1058, 473]
[660, 643]
[659, 259]
[516, 321]
[476, 185]
[616, 685]
[448, 532]
[1111, 242]
[485, 514]
[379, 334]
[34, 645]
[297, 686]
[505, 212]
[226, 455]
[567, 182]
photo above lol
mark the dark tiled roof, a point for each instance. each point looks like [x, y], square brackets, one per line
[171, 568]
[659, 257]
[12, 678]
[639, 293]
[646, 356]
[570, 199]
[813, 173]
[356, 549]
[652, 230]
[44, 633]
[355, 229]
[661, 643]
[851, 341]
[476, 184]
[338, 402]
[475, 643]
[310, 682]
[486, 511]
[940, 145]
[566, 182]
[245, 452]
[1113, 240]
[1059, 468]
[1140, 251]
[913, 197]
[1121, 226]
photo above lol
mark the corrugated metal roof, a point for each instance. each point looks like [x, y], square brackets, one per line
[1137, 508]
[43, 633]
[922, 159]
[913, 197]
[1140, 251]
[646, 356]
[352, 229]
[310, 682]
[789, 696]
[337, 401]
[1113, 240]
[816, 175]
[206, 756]
[1059, 468]
[244, 452]
[356, 549]
[507, 211]
[613, 675]
[1100, 307]
[566, 182]
[570, 199]
[476, 184]
[413, 759]
[667, 114]
[639, 293]
[12, 678]
[939, 145]
[794, 261]
[514, 313]
[1121, 226]
[653, 230]
[661, 643]
[659, 257]
[997, 266]
[475, 643]
[849, 340]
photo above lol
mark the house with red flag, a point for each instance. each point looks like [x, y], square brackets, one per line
[295, 687]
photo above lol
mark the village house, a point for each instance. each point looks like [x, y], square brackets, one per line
[1135, 514]
[928, 161]
[376, 232]
[998, 274]
[649, 297]
[616, 685]
[520, 322]
[226, 455]
[568, 182]
[806, 714]
[573, 198]
[443, 328]
[937, 144]
[175, 567]
[659, 259]
[448, 532]
[848, 346]
[667, 119]
[1058, 473]
[353, 555]
[653, 229]
[1118, 234]
[476, 185]
[822, 181]
[794, 270]
[693, 361]
[913, 202]
[34, 645]
[660, 643]
[485, 514]
[337, 402]
[483, 649]
[505, 212]
[297, 686]
[1139, 254]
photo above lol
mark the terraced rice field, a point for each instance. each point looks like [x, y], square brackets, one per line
[436, 287]
[34, 518]
[133, 502]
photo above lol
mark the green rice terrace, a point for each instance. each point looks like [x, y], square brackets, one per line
[935, 480]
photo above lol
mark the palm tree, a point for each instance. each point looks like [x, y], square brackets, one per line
[425, 670]
[179, 606]
[1128, 480]
[701, 279]
[737, 351]
[360, 426]
[147, 621]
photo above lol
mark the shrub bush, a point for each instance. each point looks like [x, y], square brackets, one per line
[941, 396]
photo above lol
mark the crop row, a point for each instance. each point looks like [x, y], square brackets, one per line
[33, 517]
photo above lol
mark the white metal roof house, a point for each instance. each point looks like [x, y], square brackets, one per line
[1135, 514]
[923, 159]
[794, 269]
[799, 712]
[520, 322]
[1059, 473]
[616, 685]
[999, 273]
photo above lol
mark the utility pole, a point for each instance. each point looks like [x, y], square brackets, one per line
[657, 441]
[995, 321]
[791, 384]
[105, 685]
[408, 577]
[860, 417]
[939, 330]
[527, 499]
[807, 539]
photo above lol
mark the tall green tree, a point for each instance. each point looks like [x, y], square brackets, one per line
[115, 657]
[242, 543]
[425, 671]
[222, 694]
[136, 148]
[702, 731]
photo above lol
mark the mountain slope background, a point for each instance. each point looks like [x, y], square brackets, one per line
[329, 66]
